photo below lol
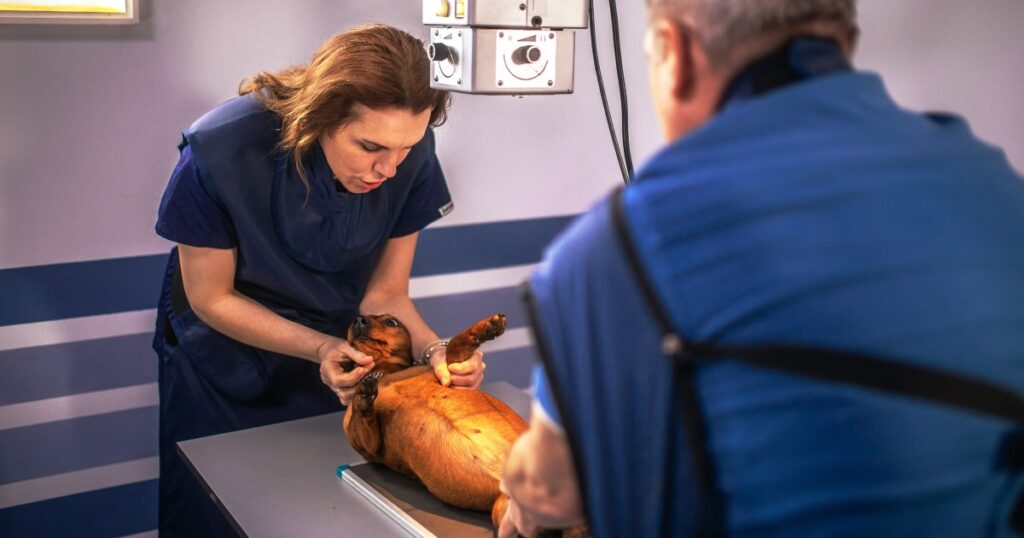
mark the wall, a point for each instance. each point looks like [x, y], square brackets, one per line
[89, 118]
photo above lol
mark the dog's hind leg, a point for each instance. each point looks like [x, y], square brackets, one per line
[361, 424]
[501, 506]
[462, 346]
[498, 510]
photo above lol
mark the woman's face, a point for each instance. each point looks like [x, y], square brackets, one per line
[366, 152]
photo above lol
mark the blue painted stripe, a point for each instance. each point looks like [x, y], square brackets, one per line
[71, 290]
[76, 444]
[513, 366]
[484, 246]
[48, 292]
[117, 511]
[42, 372]
[450, 314]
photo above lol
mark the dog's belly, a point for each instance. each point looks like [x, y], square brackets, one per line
[454, 441]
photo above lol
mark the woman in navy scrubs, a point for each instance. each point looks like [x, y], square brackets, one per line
[295, 206]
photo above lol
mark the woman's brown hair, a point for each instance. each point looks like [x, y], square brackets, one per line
[374, 65]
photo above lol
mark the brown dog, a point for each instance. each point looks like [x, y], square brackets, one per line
[454, 441]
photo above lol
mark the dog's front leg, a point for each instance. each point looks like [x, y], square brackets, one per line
[462, 346]
[361, 424]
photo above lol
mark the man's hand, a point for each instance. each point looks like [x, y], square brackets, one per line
[333, 354]
[540, 480]
[514, 523]
[468, 374]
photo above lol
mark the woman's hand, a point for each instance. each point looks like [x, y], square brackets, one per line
[468, 374]
[333, 354]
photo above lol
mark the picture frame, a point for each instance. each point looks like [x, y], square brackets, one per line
[69, 11]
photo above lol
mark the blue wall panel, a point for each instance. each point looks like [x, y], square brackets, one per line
[41, 372]
[117, 511]
[513, 366]
[484, 246]
[72, 445]
[70, 290]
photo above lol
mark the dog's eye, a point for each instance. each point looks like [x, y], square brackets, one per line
[391, 322]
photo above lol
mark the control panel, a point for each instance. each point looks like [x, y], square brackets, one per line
[506, 13]
[503, 47]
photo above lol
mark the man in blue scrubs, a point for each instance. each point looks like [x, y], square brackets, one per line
[295, 206]
[795, 203]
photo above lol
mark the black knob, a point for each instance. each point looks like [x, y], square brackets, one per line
[439, 52]
[527, 54]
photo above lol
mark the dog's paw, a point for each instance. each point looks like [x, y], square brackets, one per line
[366, 393]
[496, 326]
[487, 329]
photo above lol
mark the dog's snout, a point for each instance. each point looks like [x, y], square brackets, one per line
[360, 326]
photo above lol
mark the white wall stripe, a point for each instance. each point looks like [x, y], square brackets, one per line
[451, 283]
[61, 485]
[78, 405]
[62, 331]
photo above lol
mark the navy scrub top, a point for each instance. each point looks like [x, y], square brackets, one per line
[305, 254]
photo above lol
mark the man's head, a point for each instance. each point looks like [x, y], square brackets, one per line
[695, 47]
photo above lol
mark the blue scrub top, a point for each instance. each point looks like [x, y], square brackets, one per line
[824, 215]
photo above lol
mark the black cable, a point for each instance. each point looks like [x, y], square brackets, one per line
[623, 100]
[604, 97]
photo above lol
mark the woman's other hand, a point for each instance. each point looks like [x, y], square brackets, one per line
[468, 374]
[334, 353]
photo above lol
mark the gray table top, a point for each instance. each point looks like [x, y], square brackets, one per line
[280, 480]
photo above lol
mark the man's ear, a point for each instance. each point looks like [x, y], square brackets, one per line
[671, 49]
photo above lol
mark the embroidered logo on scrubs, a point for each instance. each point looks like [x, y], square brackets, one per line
[446, 208]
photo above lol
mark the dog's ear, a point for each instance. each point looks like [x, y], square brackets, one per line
[401, 351]
[401, 347]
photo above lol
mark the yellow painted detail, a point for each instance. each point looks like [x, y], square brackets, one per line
[442, 9]
[460, 9]
[61, 9]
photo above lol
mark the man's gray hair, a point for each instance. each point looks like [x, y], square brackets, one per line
[723, 25]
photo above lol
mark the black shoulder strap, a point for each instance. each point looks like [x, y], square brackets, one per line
[884, 375]
[710, 508]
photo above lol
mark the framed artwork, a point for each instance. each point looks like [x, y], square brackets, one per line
[69, 11]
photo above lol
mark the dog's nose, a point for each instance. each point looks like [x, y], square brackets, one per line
[361, 322]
